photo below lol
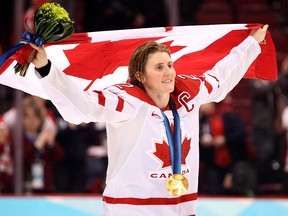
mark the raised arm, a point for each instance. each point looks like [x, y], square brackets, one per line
[226, 73]
[74, 104]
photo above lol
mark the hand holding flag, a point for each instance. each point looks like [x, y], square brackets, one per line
[260, 34]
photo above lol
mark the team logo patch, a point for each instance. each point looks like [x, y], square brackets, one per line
[161, 153]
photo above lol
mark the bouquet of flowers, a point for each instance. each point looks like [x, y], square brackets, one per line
[51, 24]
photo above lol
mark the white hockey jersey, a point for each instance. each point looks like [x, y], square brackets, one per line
[138, 151]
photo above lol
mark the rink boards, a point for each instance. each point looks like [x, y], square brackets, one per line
[92, 206]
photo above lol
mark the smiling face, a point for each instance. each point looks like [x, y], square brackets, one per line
[151, 69]
[158, 78]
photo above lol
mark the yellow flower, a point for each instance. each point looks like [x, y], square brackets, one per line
[54, 12]
[51, 24]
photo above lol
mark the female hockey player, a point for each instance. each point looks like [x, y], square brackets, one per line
[152, 124]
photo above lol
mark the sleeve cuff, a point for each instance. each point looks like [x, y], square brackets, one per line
[44, 71]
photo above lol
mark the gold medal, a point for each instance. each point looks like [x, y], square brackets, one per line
[177, 184]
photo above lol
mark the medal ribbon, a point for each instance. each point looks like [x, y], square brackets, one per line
[174, 142]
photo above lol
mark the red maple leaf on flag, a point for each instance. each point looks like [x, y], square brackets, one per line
[97, 59]
[163, 152]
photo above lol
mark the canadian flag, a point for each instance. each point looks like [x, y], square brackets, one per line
[95, 60]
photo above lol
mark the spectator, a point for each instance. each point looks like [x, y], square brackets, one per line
[9, 117]
[222, 153]
[267, 134]
[40, 152]
[97, 161]
[84, 160]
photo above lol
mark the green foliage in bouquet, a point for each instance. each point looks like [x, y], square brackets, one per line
[51, 24]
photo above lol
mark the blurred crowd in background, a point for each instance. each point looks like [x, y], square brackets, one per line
[243, 139]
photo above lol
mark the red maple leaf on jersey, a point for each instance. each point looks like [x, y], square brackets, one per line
[163, 152]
